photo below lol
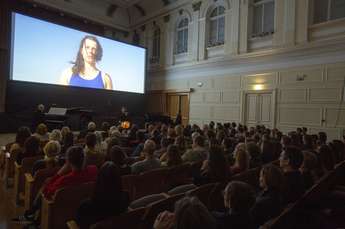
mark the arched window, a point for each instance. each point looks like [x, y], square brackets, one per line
[156, 45]
[182, 36]
[216, 26]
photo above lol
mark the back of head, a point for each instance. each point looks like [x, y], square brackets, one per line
[55, 135]
[51, 149]
[69, 139]
[108, 185]
[239, 196]
[75, 156]
[294, 156]
[322, 137]
[90, 140]
[217, 163]
[199, 141]
[41, 129]
[91, 126]
[309, 160]
[173, 155]
[253, 149]
[149, 147]
[116, 155]
[242, 159]
[326, 157]
[272, 176]
[191, 213]
[23, 133]
[32, 145]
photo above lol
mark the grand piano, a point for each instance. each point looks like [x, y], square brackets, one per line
[76, 118]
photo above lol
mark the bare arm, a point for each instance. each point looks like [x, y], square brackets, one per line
[108, 84]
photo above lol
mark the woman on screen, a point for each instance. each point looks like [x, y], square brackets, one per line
[84, 72]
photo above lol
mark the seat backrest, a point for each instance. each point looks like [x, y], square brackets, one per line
[150, 182]
[250, 177]
[179, 175]
[182, 189]
[146, 200]
[131, 219]
[128, 185]
[66, 202]
[203, 192]
[216, 198]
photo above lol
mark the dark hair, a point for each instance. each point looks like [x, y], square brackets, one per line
[199, 140]
[108, 185]
[117, 155]
[240, 195]
[32, 145]
[294, 155]
[191, 213]
[326, 157]
[165, 142]
[338, 149]
[68, 140]
[218, 168]
[91, 140]
[322, 137]
[75, 155]
[273, 176]
[79, 62]
[173, 156]
[23, 133]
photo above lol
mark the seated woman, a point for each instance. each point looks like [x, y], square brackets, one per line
[93, 156]
[107, 200]
[189, 213]
[242, 160]
[269, 201]
[50, 150]
[31, 149]
[239, 198]
[173, 156]
[18, 146]
[215, 168]
[55, 135]
[118, 157]
[42, 132]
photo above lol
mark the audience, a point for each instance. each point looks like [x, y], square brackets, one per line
[31, 149]
[198, 152]
[42, 132]
[173, 156]
[242, 160]
[118, 157]
[93, 156]
[51, 151]
[150, 162]
[107, 199]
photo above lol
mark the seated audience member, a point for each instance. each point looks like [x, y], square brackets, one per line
[118, 157]
[42, 132]
[242, 160]
[228, 147]
[72, 173]
[107, 200]
[269, 201]
[140, 144]
[322, 136]
[50, 150]
[22, 135]
[180, 141]
[255, 154]
[105, 129]
[197, 153]
[326, 160]
[189, 213]
[31, 149]
[338, 150]
[55, 135]
[91, 128]
[267, 152]
[93, 156]
[67, 142]
[215, 168]
[291, 160]
[308, 169]
[173, 156]
[285, 141]
[150, 162]
[165, 142]
[64, 131]
[239, 198]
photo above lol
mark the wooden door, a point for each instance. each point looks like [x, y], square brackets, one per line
[178, 102]
[259, 109]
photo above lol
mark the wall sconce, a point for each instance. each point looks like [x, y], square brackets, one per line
[258, 87]
[200, 84]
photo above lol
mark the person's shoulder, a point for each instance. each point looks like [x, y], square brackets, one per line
[66, 76]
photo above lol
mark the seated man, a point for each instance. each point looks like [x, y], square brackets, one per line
[150, 162]
[72, 173]
[198, 152]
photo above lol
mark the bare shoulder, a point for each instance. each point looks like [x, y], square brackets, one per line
[65, 76]
[108, 84]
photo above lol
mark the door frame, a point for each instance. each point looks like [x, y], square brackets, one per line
[273, 107]
[167, 94]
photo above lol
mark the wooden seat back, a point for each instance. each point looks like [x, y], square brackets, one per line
[34, 183]
[179, 175]
[55, 213]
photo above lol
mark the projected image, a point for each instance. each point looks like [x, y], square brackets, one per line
[44, 52]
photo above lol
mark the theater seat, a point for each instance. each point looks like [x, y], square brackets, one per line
[146, 200]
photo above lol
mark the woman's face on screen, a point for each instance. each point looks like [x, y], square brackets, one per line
[89, 51]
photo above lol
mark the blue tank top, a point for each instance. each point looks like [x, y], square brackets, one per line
[97, 82]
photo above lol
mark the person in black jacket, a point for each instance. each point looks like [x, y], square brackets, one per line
[268, 203]
[107, 200]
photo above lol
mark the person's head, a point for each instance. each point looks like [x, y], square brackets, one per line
[191, 213]
[40, 107]
[253, 149]
[68, 139]
[91, 140]
[271, 177]
[239, 197]
[75, 157]
[51, 149]
[90, 51]
[291, 158]
[326, 157]
[116, 155]
[322, 137]
[55, 135]
[165, 142]
[64, 131]
[198, 141]
[228, 144]
[23, 133]
[173, 156]
[180, 142]
[308, 141]
[149, 148]
[242, 159]
[112, 142]
[32, 145]
[108, 185]
[41, 129]
[91, 126]
[309, 161]
[179, 130]
[217, 164]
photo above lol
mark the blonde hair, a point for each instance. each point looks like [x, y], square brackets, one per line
[55, 135]
[41, 129]
[242, 159]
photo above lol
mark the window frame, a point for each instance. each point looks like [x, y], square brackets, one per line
[156, 45]
[217, 19]
[184, 30]
[262, 32]
[328, 16]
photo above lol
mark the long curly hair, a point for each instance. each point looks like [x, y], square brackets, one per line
[79, 62]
